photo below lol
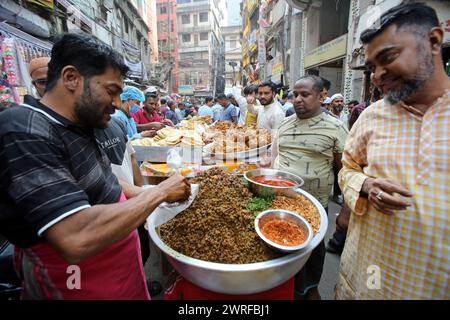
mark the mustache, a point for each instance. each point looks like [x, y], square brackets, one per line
[388, 77]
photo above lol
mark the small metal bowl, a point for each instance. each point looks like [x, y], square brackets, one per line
[285, 215]
[265, 190]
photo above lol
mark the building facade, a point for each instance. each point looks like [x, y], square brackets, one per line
[168, 66]
[200, 48]
[233, 56]
[121, 24]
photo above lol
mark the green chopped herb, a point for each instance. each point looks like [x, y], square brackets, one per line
[257, 205]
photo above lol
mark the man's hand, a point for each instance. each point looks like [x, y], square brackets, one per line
[380, 194]
[149, 133]
[157, 125]
[251, 99]
[167, 122]
[176, 188]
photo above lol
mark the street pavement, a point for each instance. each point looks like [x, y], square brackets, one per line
[153, 267]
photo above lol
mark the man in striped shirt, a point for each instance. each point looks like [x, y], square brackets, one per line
[59, 200]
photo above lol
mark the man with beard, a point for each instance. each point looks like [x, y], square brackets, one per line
[147, 118]
[396, 166]
[59, 200]
[310, 144]
[337, 108]
[270, 113]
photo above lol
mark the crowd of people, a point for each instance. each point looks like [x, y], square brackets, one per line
[72, 193]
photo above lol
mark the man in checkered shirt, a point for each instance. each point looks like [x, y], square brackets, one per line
[396, 166]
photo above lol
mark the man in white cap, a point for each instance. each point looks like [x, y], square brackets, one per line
[337, 106]
[151, 90]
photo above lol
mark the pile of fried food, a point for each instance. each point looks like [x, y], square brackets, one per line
[223, 137]
[226, 137]
[192, 123]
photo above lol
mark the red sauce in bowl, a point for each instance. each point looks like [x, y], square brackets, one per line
[276, 181]
[284, 233]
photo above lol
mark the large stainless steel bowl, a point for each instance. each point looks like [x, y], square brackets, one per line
[266, 191]
[240, 279]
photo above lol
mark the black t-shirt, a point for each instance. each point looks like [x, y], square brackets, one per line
[113, 140]
[49, 169]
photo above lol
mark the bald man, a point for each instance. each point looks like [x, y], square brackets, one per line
[38, 72]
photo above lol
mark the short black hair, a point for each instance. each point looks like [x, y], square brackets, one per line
[326, 83]
[415, 17]
[163, 101]
[317, 82]
[222, 96]
[250, 89]
[208, 99]
[89, 55]
[150, 95]
[355, 102]
[170, 103]
[270, 84]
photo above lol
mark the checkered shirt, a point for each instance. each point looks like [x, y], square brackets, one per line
[405, 256]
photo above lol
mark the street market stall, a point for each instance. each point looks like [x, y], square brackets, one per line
[202, 145]
[213, 244]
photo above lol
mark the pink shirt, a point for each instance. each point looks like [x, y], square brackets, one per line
[140, 117]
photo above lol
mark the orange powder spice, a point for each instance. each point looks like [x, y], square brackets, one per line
[284, 232]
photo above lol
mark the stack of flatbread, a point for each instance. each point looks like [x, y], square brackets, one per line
[191, 138]
[168, 137]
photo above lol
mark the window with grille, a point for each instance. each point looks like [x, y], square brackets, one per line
[203, 17]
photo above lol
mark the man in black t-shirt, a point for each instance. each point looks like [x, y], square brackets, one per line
[58, 196]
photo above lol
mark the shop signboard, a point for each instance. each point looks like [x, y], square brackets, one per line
[185, 90]
[262, 47]
[327, 52]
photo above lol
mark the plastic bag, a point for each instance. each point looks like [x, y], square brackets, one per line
[174, 160]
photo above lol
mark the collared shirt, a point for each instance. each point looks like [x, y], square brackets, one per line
[180, 113]
[228, 113]
[411, 249]
[287, 106]
[171, 115]
[217, 111]
[205, 111]
[306, 148]
[269, 116]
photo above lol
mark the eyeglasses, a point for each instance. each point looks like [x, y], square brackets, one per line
[40, 82]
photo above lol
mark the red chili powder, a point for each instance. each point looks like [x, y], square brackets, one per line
[284, 232]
